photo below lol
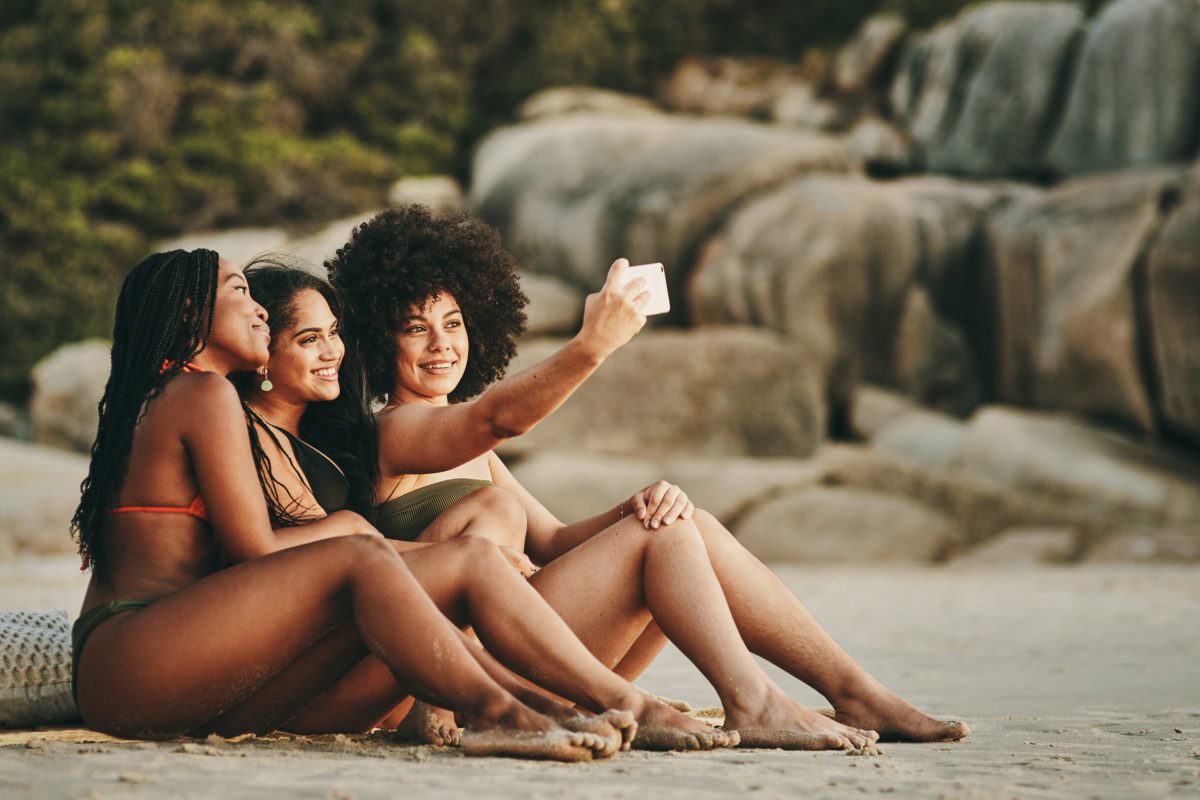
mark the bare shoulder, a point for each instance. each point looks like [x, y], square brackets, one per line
[201, 398]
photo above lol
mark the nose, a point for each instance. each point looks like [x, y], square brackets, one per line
[439, 341]
[332, 349]
[260, 312]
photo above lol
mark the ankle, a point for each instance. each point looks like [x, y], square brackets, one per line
[490, 710]
[747, 700]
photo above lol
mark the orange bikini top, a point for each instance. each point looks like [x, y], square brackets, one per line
[194, 509]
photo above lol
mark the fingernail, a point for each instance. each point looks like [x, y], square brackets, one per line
[668, 520]
[655, 524]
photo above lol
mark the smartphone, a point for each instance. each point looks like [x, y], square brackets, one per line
[656, 284]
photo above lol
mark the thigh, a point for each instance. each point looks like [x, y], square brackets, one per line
[452, 522]
[445, 569]
[203, 651]
[489, 511]
[597, 589]
[362, 699]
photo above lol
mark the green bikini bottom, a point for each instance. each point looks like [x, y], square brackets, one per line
[87, 623]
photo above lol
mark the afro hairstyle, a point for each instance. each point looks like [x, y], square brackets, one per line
[405, 256]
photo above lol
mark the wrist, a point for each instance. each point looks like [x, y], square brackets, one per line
[585, 347]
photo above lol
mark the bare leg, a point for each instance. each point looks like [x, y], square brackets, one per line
[471, 581]
[630, 574]
[488, 512]
[643, 652]
[776, 625]
[211, 652]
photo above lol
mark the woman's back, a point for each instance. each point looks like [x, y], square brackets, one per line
[151, 553]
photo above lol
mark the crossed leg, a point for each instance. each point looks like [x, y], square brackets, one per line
[471, 582]
[774, 624]
[610, 587]
[247, 648]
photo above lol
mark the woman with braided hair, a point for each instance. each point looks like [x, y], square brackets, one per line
[169, 643]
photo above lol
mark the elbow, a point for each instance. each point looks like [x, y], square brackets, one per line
[501, 430]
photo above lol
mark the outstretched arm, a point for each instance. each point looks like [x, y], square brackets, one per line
[420, 438]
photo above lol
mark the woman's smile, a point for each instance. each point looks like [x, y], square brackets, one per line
[432, 349]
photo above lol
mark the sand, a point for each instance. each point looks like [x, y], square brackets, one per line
[1078, 682]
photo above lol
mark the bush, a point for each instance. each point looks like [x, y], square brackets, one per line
[124, 121]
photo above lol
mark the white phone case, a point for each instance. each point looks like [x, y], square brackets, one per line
[656, 284]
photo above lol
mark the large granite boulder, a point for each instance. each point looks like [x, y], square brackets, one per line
[1172, 292]
[555, 307]
[734, 391]
[313, 250]
[440, 192]
[821, 524]
[1066, 460]
[67, 387]
[864, 61]
[576, 486]
[238, 245]
[876, 280]
[571, 193]
[731, 86]
[1063, 266]
[1133, 99]
[980, 90]
[39, 491]
[559, 100]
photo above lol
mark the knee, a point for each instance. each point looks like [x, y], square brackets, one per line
[475, 551]
[681, 532]
[710, 527]
[501, 516]
[367, 547]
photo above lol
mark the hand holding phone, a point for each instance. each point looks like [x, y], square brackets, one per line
[655, 276]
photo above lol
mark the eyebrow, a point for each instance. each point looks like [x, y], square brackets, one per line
[232, 275]
[412, 317]
[313, 329]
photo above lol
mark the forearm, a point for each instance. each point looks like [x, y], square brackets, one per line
[568, 537]
[339, 523]
[515, 404]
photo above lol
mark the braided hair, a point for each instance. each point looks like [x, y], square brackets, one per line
[164, 316]
[343, 428]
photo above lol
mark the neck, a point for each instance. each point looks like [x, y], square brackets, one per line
[210, 362]
[401, 395]
[278, 410]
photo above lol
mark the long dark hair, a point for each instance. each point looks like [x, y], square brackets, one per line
[343, 428]
[164, 316]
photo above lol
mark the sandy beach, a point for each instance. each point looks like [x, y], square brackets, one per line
[1078, 682]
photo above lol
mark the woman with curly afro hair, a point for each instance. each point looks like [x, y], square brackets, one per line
[434, 302]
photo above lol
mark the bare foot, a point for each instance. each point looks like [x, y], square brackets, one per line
[617, 727]
[779, 721]
[426, 724]
[897, 720]
[517, 731]
[663, 728]
[555, 745]
[622, 724]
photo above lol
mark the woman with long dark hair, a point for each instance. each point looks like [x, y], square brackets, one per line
[168, 642]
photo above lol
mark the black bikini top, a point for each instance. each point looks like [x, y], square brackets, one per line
[325, 478]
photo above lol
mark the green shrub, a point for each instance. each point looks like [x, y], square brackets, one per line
[123, 121]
